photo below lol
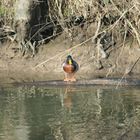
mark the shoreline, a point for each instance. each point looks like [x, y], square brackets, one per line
[16, 68]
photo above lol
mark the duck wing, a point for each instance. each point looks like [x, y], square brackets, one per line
[76, 66]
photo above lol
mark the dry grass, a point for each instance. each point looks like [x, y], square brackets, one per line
[122, 18]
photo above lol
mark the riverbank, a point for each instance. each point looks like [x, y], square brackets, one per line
[122, 61]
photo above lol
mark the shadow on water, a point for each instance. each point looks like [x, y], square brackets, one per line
[70, 113]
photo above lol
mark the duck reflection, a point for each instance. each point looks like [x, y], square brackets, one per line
[66, 98]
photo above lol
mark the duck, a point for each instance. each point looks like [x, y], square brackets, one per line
[70, 67]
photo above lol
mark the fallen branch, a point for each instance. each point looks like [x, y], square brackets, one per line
[101, 81]
[62, 53]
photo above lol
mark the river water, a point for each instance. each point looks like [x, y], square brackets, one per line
[69, 113]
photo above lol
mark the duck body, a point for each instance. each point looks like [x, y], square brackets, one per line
[70, 67]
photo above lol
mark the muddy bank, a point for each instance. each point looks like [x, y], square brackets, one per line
[122, 61]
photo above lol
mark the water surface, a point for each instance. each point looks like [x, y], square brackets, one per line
[69, 113]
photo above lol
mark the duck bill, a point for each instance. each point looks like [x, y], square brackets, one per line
[70, 62]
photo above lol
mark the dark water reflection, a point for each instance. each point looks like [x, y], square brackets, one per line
[72, 113]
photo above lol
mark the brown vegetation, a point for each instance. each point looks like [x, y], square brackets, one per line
[103, 36]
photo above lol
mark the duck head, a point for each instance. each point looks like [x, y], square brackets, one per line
[69, 60]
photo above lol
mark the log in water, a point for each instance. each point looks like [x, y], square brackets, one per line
[100, 81]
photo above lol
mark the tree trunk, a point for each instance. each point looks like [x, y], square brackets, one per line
[22, 18]
[32, 23]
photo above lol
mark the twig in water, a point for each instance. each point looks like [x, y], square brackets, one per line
[128, 71]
